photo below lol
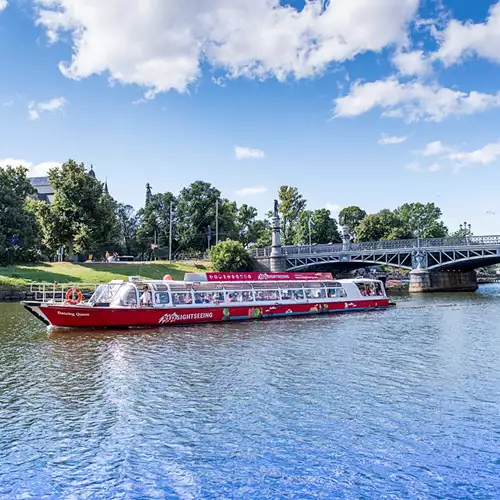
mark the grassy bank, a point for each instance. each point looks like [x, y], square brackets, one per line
[21, 275]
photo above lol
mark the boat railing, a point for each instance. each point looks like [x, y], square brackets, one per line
[56, 292]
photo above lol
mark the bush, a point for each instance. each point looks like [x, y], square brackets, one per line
[230, 256]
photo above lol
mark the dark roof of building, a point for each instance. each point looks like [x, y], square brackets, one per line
[40, 181]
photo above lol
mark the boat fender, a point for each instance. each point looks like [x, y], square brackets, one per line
[71, 294]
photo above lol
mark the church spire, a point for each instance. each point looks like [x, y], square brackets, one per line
[91, 171]
[106, 186]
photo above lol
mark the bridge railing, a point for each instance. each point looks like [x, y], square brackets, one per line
[425, 243]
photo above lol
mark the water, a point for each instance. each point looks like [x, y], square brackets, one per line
[397, 404]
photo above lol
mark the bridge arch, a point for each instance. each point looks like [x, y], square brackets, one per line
[468, 263]
[344, 264]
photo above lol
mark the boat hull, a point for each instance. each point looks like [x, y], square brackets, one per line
[79, 316]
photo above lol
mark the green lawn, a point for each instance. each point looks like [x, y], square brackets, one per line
[20, 275]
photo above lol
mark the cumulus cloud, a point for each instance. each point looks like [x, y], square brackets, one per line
[244, 153]
[35, 109]
[485, 155]
[435, 148]
[160, 44]
[385, 140]
[34, 169]
[251, 191]
[413, 63]
[3, 5]
[460, 40]
[334, 208]
[412, 101]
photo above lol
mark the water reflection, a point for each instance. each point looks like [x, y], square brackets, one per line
[400, 404]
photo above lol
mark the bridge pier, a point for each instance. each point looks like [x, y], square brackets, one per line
[423, 281]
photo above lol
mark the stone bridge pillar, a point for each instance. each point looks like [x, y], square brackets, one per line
[422, 280]
[277, 261]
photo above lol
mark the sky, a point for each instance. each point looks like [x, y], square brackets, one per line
[355, 102]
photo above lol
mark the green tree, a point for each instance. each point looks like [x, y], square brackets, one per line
[291, 205]
[154, 221]
[230, 256]
[196, 212]
[128, 222]
[323, 227]
[352, 216]
[421, 218]
[82, 217]
[18, 226]
[249, 228]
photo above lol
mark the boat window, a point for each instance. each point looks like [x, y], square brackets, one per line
[210, 297]
[370, 289]
[206, 287]
[342, 292]
[161, 298]
[181, 298]
[104, 294]
[315, 293]
[161, 288]
[333, 292]
[125, 296]
[263, 295]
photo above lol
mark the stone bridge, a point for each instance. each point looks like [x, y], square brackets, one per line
[435, 264]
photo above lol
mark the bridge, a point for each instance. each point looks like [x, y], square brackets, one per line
[435, 263]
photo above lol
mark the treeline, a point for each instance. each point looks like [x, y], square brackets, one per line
[84, 219]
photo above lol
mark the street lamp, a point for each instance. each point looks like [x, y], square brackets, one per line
[466, 230]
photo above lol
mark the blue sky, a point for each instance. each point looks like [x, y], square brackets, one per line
[366, 102]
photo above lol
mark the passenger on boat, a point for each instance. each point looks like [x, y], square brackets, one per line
[146, 297]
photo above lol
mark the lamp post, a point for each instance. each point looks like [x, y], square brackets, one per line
[466, 230]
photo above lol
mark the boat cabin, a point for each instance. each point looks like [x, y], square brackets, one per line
[163, 294]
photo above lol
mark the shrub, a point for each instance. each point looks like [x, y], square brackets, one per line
[230, 256]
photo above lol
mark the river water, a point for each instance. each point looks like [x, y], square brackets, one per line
[403, 403]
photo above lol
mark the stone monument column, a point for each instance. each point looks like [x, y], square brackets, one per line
[345, 235]
[277, 259]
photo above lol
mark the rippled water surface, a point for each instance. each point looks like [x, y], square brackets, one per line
[397, 404]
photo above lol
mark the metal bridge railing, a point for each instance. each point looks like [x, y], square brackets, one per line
[427, 243]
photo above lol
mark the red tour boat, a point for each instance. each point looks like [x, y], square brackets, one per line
[210, 297]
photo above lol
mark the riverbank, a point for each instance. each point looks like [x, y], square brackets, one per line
[18, 277]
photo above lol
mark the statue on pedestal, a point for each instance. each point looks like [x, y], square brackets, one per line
[276, 208]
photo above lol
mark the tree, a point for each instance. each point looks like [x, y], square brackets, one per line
[323, 227]
[291, 205]
[128, 221]
[230, 256]
[351, 216]
[196, 213]
[423, 219]
[154, 221]
[149, 193]
[82, 217]
[18, 226]
[249, 228]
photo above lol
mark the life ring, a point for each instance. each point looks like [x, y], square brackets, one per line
[70, 296]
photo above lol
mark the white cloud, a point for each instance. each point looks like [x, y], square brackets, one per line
[435, 148]
[413, 63]
[34, 169]
[35, 109]
[334, 208]
[251, 191]
[160, 44]
[243, 153]
[3, 5]
[412, 101]
[435, 167]
[465, 39]
[385, 140]
[485, 155]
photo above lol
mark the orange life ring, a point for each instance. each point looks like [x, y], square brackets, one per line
[70, 296]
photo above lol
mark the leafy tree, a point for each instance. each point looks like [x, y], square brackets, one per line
[82, 217]
[196, 211]
[18, 225]
[230, 256]
[264, 232]
[149, 193]
[128, 222]
[352, 215]
[291, 205]
[421, 218]
[323, 227]
[154, 219]
[248, 226]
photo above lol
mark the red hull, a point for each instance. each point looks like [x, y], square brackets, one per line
[103, 317]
